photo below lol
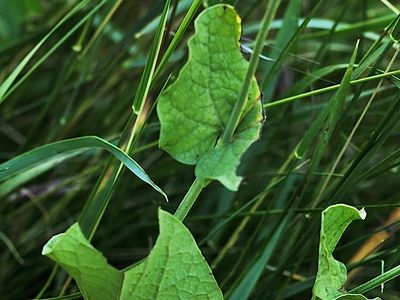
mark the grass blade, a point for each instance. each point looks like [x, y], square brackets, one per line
[29, 159]
[5, 86]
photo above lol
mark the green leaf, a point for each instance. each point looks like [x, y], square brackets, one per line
[195, 109]
[148, 72]
[394, 32]
[332, 274]
[33, 172]
[95, 277]
[175, 268]
[33, 158]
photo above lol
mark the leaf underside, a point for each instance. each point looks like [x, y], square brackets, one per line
[195, 109]
[175, 268]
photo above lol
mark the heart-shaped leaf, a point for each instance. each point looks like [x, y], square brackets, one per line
[175, 268]
[195, 109]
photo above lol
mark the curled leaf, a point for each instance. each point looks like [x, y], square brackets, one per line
[332, 274]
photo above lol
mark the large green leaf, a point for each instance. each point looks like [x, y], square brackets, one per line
[195, 109]
[95, 277]
[332, 274]
[175, 268]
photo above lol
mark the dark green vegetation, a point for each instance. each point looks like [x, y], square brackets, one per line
[82, 68]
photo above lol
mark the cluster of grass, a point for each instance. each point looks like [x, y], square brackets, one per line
[331, 135]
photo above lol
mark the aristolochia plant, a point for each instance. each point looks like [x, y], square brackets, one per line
[195, 110]
[209, 117]
[194, 113]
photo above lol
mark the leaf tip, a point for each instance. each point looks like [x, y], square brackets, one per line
[297, 154]
[363, 213]
[51, 244]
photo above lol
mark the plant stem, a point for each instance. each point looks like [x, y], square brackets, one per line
[377, 281]
[234, 118]
[177, 38]
[189, 199]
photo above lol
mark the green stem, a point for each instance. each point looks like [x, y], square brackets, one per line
[189, 199]
[177, 38]
[329, 88]
[377, 281]
[259, 45]
[198, 185]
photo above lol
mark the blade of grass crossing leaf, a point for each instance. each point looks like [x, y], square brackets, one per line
[102, 192]
[254, 59]
[32, 158]
[208, 60]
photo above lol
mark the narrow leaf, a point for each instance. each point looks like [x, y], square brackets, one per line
[32, 158]
[145, 81]
[248, 283]
[5, 86]
[331, 111]
[24, 176]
